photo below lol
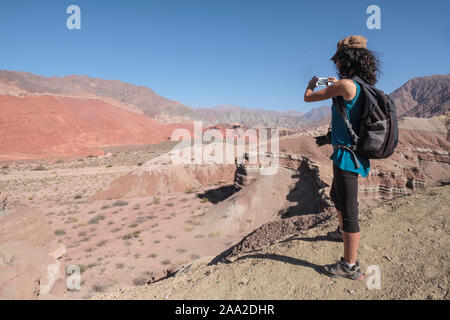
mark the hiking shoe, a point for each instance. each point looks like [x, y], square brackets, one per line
[340, 269]
[335, 235]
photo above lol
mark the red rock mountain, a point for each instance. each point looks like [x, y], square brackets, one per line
[52, 126]
[143, 98]
[423, 97]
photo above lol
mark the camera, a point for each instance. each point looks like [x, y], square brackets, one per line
[325, 139]
[323, 82]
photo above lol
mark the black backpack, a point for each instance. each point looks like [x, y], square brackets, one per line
[378, 131]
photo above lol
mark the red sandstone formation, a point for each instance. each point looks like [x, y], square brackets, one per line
[51, 126]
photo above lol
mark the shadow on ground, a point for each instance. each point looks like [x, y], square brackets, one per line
[285, 259]
[220, 194]
[304, 195]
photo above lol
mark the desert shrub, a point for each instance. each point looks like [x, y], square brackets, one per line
[105, 207]
[128, 236]
[119, 265]
[140, 281]
[132, 235]
[189, 191]
[214, 234]
[137, 256]
[120, 203]
[140, 220]
[77, 196]
[181, 250]
[133, 225]
[156, 200]
[60, 232]
[96, 219]
[109, 165]
[92, 265]
[101, 243]
[170, 204]
[98, 288]
[136, 233]
[40, 168]
[71, 220]
[194, 223]
[152, 255]
[165, 262]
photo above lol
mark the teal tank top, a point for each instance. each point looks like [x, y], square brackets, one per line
[340, 135]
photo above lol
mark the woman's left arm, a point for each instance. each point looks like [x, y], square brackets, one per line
[338, 88]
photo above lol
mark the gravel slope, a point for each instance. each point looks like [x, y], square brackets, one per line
[408, 238]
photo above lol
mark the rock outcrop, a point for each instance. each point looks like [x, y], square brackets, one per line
[29, 257]
[161, 175]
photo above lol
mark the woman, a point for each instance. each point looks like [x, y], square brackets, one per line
[351, 59]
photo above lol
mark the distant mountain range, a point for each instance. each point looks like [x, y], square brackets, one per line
[150, 103]
[419, 97]
[79, 115]
[255, 117]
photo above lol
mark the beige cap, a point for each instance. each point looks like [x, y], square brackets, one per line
[351, 42]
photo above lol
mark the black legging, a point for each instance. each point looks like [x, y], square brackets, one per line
[344, 194]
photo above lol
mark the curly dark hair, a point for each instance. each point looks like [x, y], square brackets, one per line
[360, 62]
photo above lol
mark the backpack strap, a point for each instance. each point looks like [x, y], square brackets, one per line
[339, 102]
[360, 81]
[369, 91]
[352, 152]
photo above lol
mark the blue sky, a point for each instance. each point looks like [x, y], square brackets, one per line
[203, 53]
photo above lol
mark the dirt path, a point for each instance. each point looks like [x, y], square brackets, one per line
[407, 238]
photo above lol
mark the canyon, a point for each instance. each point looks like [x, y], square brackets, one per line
[87, 162]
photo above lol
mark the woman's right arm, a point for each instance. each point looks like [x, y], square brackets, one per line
[344, 88]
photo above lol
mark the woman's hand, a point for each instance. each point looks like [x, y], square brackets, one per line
[313, 83]
[344, 88]
[332, 79]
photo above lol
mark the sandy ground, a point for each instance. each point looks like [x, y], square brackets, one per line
[115, 243]
[118, 243]
[407, 238]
